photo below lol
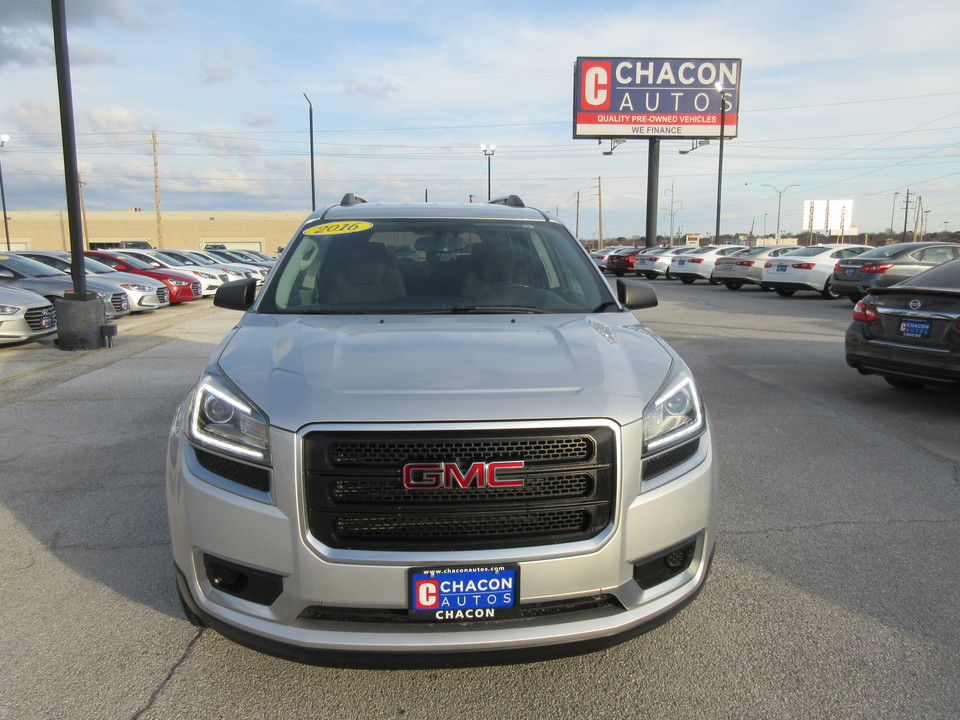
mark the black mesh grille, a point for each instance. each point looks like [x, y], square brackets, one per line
[119, 302]
[527, 611]
[163, 295]
[671, 458]
[356, 497]
[252, 476]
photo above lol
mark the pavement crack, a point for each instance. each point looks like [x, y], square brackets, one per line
[187, 651]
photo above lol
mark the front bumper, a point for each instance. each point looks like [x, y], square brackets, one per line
[900, 360]
[268, 533]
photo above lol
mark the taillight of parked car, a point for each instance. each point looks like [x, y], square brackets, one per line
[768, 264]
[880, 268]
[695, 260]
[747, 263]
[803, 266]
[864, 313]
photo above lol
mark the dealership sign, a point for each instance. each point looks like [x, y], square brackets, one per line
[655, 97]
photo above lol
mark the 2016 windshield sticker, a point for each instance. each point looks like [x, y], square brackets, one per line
[338, 228]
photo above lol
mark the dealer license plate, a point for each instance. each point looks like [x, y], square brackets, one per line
[850, 271]
[781, 268]
[726, 266]
[914, 328]
[464, 594]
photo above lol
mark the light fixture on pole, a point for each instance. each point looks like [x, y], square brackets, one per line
[3, 199]
[779, 199]
[694, 144]
[723, 121]
[488, 150]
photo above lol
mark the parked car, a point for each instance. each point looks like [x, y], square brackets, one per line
[745, 267]
[193, 257]
[654, 265]
[145, 294]
[210, 279]
[910, 332]
[376, 440]
[600, 256]
[182, 287]
[698, 263]
[254, 271]
[28, 274]
[809, 268]
[233, 257]
[624, 261]
[24, 316]
[887, 265]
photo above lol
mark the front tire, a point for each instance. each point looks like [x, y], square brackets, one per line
[783, 292]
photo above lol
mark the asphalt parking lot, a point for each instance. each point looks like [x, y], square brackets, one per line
[833, 593]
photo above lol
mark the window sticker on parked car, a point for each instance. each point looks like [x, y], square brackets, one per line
[338, 228]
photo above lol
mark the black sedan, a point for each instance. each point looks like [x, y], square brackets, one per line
[910, 332]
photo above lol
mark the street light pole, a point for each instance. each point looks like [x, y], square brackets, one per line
[488, 150]
[892, 211]
[313, 184]
[723, 120]
[779, 199]
[3, 198]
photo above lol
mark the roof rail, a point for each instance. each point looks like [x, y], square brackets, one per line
[351, 199]
[511, 200]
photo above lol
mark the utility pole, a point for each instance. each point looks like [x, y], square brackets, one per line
[156, 189]
[577, 227]
[600, 205]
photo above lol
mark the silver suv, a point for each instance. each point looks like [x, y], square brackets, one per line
[438, 436]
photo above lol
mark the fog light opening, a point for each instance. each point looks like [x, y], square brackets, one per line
[257, 586]
[651, 571]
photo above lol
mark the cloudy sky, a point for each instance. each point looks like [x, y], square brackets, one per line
[840, 100]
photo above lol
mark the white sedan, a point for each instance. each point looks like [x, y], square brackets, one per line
[808, 268]
[698, 264]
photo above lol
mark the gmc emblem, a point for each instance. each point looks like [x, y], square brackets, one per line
[434, 476]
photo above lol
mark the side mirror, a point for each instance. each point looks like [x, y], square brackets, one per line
[7, 274]
[236, 294]
[636, 295]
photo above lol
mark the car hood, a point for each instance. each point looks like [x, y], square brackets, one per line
[300, 369]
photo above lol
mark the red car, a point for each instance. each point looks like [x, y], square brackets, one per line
[183, 288]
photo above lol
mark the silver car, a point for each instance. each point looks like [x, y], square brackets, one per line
[746, 266]
[888, 265]
[145, 294]
[470, 451]
[28, 274]
[658, 264]
[24, 316]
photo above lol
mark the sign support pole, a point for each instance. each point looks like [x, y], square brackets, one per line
[653, 190]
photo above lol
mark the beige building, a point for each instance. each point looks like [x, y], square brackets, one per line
[265, 231]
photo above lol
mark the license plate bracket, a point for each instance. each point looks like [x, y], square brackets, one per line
[464, 593]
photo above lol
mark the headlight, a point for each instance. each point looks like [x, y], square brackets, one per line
[675, 414]
[223, 419]
[179, 283]
[9, 309]
[137, 288]
[205, 275]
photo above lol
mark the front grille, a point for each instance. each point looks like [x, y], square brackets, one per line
[163, 295]
[41, 318]
[196, 288]
[119, 302]
[356, 498]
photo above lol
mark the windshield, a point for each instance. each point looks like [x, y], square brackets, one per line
[28, 267]
[435, 266]
[135, 263]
